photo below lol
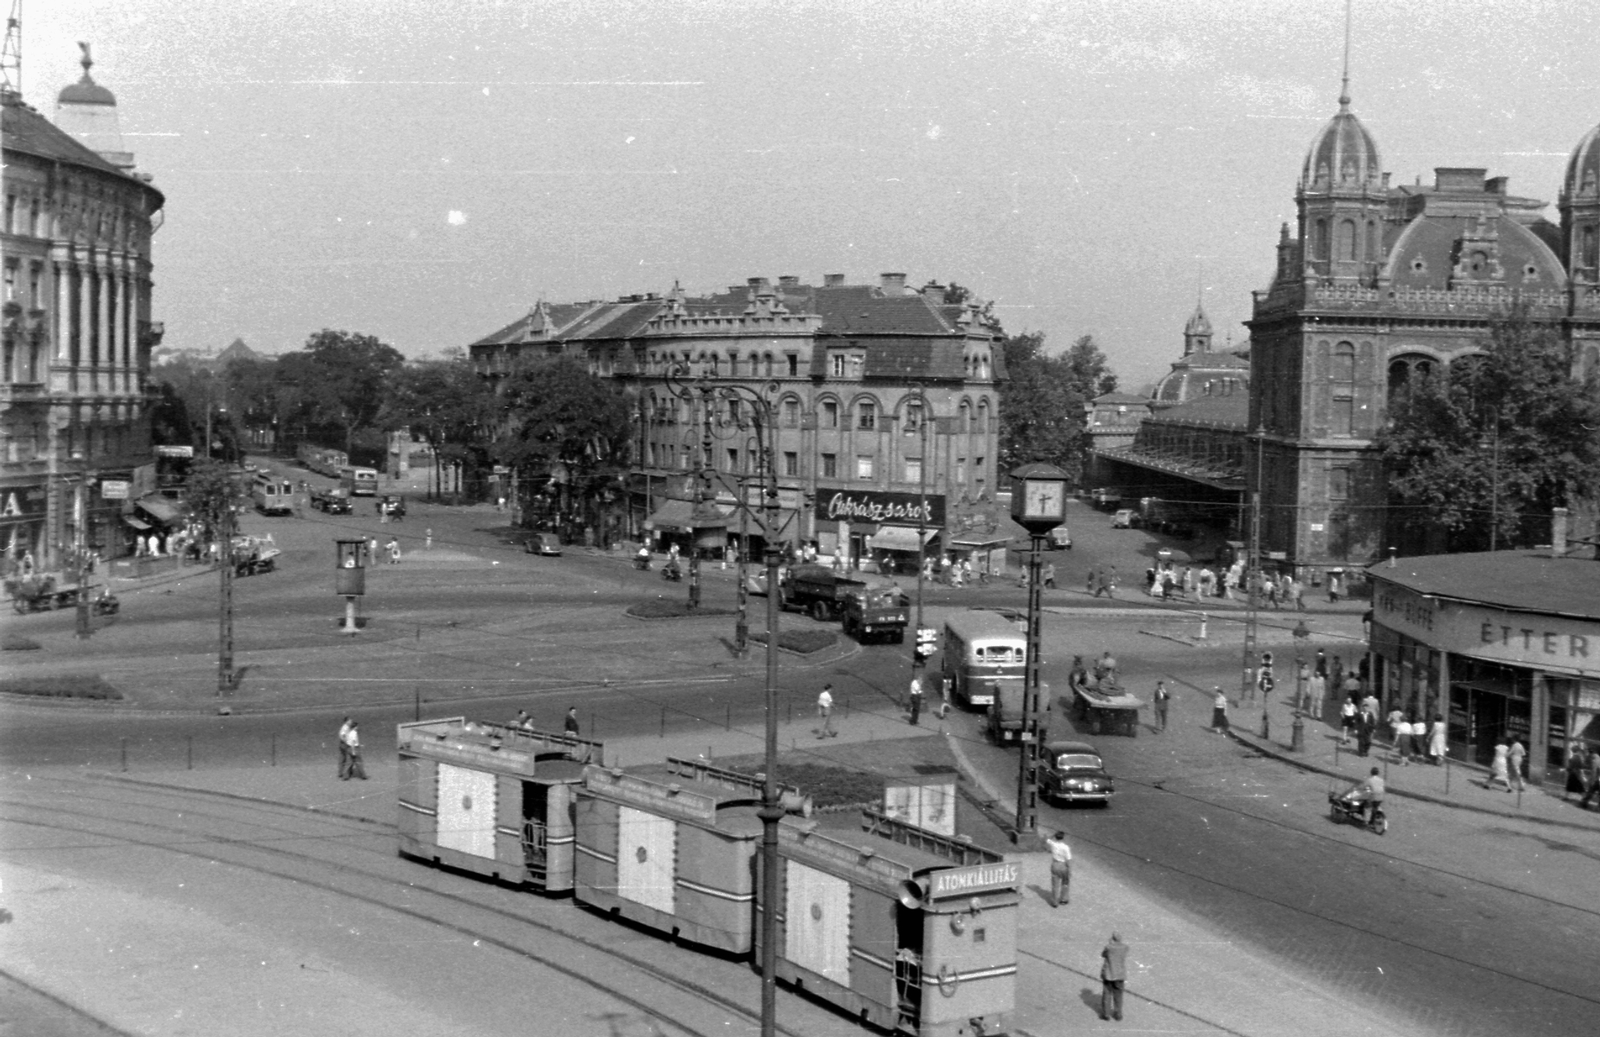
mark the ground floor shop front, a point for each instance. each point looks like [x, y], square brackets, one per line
[1501, 645]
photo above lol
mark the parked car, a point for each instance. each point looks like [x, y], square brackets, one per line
[393, 505]
[334, 501]
[1059, 539]
[1123, 519]
[542, 544]
[1073, 772]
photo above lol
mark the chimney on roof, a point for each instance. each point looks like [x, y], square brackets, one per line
[788, 282]
[833, 280]
[892, 284]
[933, 291]
[761, 285]
[1558, 533]
[1497, 184]
[735, 289]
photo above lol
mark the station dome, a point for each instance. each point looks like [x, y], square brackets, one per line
[88, 112]
[1342, 153]
[1583, 168]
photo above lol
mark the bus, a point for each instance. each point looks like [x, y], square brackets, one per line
[272, 495]
[982, 650]
[359, 482]
[320, 459]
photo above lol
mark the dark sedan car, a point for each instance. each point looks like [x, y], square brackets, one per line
[1073, 772]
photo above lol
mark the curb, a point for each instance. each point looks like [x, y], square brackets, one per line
[1277, 754]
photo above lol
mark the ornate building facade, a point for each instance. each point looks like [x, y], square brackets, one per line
[883, 396]
[1376, 283]
[77, 331]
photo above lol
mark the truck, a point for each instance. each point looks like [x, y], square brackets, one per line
[869, 606]
[333, 502]
[1005, 719]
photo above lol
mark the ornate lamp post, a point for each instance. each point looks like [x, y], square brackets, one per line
[746, 411]
[1038, 504]
[920, 647]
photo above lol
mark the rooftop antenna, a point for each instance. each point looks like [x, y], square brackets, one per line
[11, 56]
[1344, 83]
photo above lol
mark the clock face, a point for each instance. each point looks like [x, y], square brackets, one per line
[1043, 499]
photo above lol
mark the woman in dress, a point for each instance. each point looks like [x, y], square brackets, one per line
[1500, 767]
[1436, 740]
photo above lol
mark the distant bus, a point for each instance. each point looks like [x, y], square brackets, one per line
[359, 482]
[322, 460]
[982, 650]
[272, 495]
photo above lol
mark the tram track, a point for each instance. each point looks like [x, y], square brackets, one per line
[515, 932]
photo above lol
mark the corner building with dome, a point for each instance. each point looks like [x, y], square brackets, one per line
[1376, 284]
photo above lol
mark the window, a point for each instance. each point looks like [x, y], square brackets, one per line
[1342, 376]
[836, 365]
[1338, 485]
[864, 466]
[791, 463]
[733, 364]
[830, 414]
[11, 282]
[11, 214]
[867, 415]
[793, 360]
[913, 472]
[733, 460]
[913, 417]
[791, 413]
[33, 218]
[768, 358]
[961, 471]
[830, 466]
[1347, 241]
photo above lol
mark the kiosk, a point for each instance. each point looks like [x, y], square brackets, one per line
[350, 579]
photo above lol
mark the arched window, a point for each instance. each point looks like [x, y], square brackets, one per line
[716, 365]
[768, 358]
[1342, 376]
[1347, 241]
[983, 417]
[1586, 245]
[1319, 241]
[964, 418]
[733, 364]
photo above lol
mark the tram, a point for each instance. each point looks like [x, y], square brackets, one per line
[896, 926]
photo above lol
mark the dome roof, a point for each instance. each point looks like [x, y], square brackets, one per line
[1583, 169]
[1342, 153]
[86, 91]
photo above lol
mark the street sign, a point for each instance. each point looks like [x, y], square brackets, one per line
[114, 489]
[927, 641]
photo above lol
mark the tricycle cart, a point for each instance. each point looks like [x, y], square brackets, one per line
[1107, 709]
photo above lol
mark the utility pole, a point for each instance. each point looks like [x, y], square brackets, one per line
[1248, 672]
[225, 604]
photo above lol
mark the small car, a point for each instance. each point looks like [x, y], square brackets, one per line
[1059, 539]
[333, 502]
[1123, 519]
[392, 504]
[542, 544]
[1072, 772]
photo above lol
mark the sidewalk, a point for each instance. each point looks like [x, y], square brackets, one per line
[1452, 784]
[1184, 978]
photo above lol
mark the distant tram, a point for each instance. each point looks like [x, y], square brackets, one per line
[272, 495]
[322, 460]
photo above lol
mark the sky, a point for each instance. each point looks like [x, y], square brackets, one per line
[427, 171]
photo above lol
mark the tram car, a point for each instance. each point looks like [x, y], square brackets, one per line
[495, 800]
[673, 848]
[906, 929]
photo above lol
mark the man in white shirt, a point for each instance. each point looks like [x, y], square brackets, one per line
[1060, 869]
[825, 713]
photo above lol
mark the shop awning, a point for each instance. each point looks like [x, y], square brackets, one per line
[138, 524]
[898, 538]
[971, 540]
[678, 516]
[162, 509]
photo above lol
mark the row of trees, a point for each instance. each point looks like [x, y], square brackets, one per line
[1042, 412]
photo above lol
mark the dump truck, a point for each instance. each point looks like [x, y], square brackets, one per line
[870, 607]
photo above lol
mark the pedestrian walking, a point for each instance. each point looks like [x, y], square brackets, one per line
[1515, 756]
[1366, 724]
[1335, 585]
[825, 713]
[1113, 974]
[1436, 737]
[569, 723]
[1347, 719]
[916, 700]
[1499, 767]
[352, 739]
[1094, 580]
[344, 750]
[1321, 665]
[393, 548]
[1161, 698]
[1592, 790]
[1060, 869]
[1317, 694]
[1111, 582]
[1400, 733]
[1050, 575]
[1219, 710]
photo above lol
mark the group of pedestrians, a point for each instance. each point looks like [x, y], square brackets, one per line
[350, 765]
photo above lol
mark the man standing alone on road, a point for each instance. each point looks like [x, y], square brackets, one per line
[1113, 974]
[916, 700]
[825, 713]
[570, 724]
[1161, 698]
[1060, 869]
[344, 750]
[1219, 711]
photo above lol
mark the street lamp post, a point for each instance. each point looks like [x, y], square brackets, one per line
[1253, 592]
[771, 811]
[923, 417]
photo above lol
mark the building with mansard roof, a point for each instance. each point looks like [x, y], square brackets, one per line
[884, 400]
[77, 333]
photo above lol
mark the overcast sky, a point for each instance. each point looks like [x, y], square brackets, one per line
[425, 171]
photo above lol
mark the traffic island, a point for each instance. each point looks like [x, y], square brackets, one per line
[664, 608]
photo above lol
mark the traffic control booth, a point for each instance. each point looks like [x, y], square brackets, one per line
[671, 848]
[908, 929]
[493, 799]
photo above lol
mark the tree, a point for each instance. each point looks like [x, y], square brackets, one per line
[211, 490]
[446, 404]
[1496, 439]
[1041, 407]
[347, 375]
[567, 427]
[1089, 369]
